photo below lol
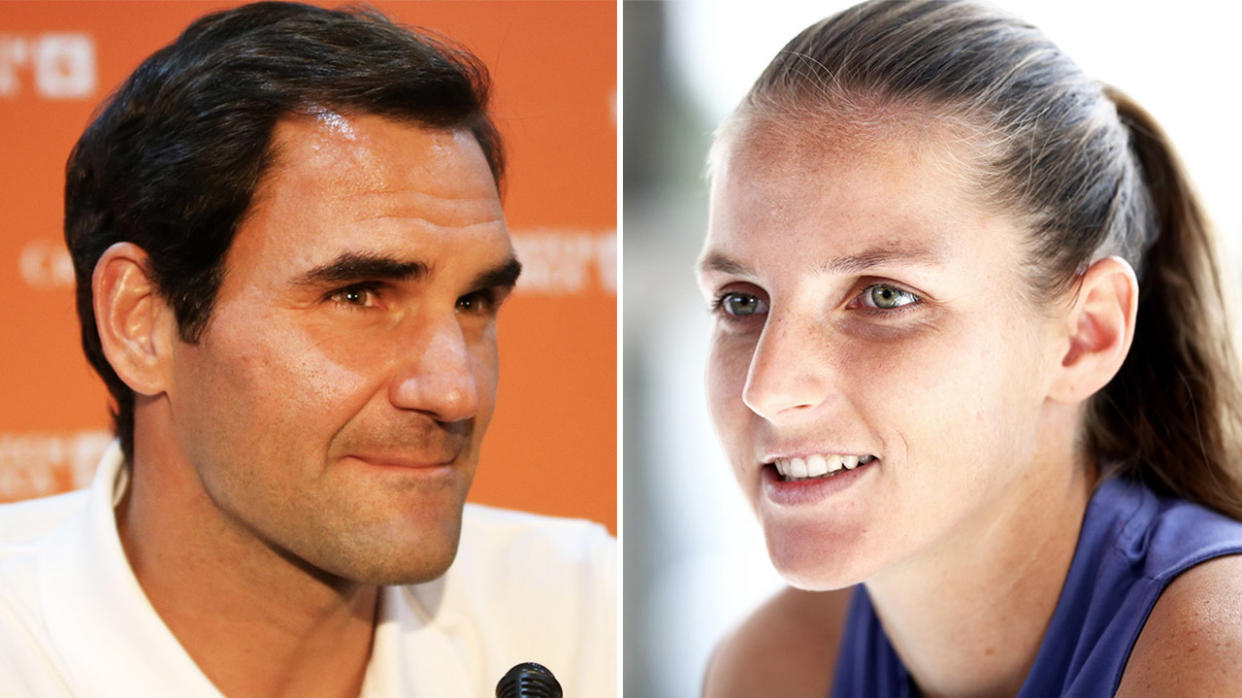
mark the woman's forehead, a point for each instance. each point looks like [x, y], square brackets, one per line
[776, 196]
[815, 129]
[789, 179]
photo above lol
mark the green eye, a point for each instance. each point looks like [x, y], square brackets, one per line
[887, 297]
[741, 304]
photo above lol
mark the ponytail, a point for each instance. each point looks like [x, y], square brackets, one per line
[1172, 416]
[1089, 174]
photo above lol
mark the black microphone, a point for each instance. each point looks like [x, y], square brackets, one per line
[528, 680]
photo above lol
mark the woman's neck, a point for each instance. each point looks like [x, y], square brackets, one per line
[967, 616]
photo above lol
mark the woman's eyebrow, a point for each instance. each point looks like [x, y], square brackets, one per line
[716, 261]
[909, 255]
[912, 255]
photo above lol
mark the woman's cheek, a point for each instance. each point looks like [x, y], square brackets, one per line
[727, 367]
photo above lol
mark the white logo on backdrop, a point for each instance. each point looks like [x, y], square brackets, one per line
[45, 264]
[61, 65]
[29, 463]
[560, 261]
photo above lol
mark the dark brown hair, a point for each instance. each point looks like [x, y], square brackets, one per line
[1089, 172]
[173, 158]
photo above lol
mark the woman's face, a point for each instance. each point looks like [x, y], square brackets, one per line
[870, 317]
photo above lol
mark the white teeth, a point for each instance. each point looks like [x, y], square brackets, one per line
[818, 465]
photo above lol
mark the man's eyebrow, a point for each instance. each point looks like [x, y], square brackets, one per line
[504, 274]
[355, 266]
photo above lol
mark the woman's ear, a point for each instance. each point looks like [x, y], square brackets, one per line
[134, 322]
[1099, 329]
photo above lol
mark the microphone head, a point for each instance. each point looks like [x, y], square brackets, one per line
[528, 680]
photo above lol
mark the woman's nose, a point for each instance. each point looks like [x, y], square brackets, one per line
[790, 370]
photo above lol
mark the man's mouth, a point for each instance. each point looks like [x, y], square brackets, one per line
[420, 456]
[818, 466]
[408, 461]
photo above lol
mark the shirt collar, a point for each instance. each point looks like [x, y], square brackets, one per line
[113, 643]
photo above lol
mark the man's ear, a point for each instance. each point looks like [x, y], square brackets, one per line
[134, 322]
[1099, 328]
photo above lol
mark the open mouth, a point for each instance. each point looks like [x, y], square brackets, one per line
[818, 466]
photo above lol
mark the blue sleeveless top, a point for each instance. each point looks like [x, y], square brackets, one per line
[1133, 543]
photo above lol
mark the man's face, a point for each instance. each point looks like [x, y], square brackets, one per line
[335, 405]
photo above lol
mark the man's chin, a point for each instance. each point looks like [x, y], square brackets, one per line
[391, 554]
[399, 574]
[407, 560]
[389, 571]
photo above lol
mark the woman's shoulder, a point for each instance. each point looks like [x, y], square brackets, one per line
[1192, 640]
[786, 647]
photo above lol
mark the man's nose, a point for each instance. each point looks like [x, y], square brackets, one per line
[790, 371]
[435, 372]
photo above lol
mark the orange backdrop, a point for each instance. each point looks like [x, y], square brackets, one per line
[552, 443]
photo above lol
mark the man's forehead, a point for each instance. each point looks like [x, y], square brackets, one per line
[373, 154]
[382, 167]
[368, 186]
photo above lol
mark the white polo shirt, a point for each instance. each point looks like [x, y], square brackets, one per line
[75, 622]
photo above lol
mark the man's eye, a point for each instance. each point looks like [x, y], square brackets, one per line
[740, 304]
[885, 297]
[357, 296]
[477, 302]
